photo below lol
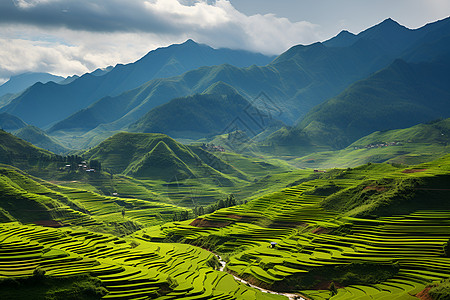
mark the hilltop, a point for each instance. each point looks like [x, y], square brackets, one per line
[20, 82]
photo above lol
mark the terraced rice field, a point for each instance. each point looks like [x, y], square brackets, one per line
[310, 239]
[138, 270]
[31, 200]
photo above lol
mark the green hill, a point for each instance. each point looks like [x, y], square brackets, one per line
[200, 115]
[10, 122]
[417, 144]
[160, 163]
[401, 95]
[17, 151]
[33, 201]
[124, 149]
[40, 139]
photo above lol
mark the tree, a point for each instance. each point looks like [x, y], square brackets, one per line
[231, 200]
[220, 204]
[123, 212]
[201, 211]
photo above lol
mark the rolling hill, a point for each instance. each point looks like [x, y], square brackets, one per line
[376, 231]
[45, 104]
[13, 148]
[152, 156]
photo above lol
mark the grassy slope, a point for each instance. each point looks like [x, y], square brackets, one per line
[46, 263]
[179, 174]
[14, 150]
[334, 226]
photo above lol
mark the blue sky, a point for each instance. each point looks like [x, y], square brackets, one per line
[67, 37]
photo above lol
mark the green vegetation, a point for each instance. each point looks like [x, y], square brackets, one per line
[142, 216]
[441, 291]
[39, 286]
[47, 263]
[30, 200]
[377, 230]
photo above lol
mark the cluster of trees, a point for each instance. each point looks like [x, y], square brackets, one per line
[228, 202]
[182, 216]
[201, 210]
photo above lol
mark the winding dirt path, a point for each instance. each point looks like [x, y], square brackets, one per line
[290, 296]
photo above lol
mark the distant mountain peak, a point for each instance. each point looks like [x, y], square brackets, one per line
[390, 22]
[343, 39]
[190, 42]
[387, 24]
[346, 32]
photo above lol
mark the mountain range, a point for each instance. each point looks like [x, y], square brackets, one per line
[399, 96]
[20, 82]
[44, 104]
[295, 82]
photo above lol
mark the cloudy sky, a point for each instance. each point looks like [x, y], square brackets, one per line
[67, 37]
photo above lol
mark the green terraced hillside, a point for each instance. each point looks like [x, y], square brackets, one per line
[376, 231]
[413, 145]
[34, 201]
[41, 263]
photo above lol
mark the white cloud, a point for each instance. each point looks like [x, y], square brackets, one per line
[75, 36]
